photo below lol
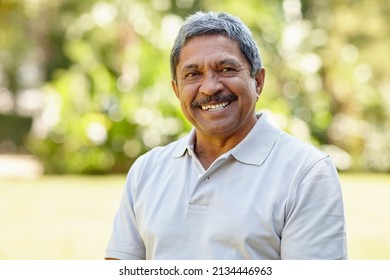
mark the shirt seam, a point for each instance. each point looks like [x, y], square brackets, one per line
[293, 192]
[124, 252]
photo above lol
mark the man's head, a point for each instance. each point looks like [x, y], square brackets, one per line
[217, 75]
[211, 23]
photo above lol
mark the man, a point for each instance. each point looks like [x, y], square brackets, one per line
[236, 187]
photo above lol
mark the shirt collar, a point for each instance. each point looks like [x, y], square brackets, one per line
[184, 145]
[253, 149]
[258, 144]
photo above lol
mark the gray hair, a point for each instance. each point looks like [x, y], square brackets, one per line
[211, 23]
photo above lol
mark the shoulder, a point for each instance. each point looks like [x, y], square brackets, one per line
[286, 147]
[299, 154]
[292, 154]
[152, 167]
[159, 156]
[295, 146]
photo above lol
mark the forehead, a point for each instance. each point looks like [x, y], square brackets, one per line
[210, 49]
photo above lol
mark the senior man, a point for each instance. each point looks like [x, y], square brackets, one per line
[236, 187]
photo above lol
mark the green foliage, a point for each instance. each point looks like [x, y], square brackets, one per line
[100, 70]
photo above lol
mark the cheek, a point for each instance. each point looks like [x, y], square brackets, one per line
[248, 96]
[185, 104]
[188, 94]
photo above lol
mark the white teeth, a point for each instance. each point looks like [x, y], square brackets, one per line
[215, 107]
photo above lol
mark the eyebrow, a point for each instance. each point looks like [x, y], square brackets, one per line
[227, 61]
[190, 66]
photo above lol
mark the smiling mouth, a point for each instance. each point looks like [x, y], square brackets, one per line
[215, 102]
[216, 107]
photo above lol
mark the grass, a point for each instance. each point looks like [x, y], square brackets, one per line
[57, 217]
[367, 208]
[70, 217]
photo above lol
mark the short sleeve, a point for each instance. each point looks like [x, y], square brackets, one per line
[315, 223]
[125, 241]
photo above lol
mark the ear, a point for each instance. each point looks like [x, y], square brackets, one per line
[175, 88]
[259, 78]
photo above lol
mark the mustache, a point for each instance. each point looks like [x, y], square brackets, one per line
[218, 98]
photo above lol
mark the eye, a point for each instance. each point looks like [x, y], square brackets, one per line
[228, 69]
[190, 75]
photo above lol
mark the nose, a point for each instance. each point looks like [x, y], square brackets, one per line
[210, 84]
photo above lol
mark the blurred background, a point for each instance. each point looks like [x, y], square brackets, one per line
[85, 89]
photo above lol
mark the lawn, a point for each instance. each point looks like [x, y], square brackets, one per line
[367, 208]
[70, 217]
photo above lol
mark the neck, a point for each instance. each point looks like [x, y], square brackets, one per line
[209, 148]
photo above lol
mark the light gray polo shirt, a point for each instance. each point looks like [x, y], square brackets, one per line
[270, 197]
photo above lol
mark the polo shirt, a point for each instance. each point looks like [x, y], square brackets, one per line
[271, 197]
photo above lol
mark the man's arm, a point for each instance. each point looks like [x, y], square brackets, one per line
[125, 241]
[315, 223]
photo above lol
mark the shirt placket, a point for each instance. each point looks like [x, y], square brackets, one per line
[202, 189]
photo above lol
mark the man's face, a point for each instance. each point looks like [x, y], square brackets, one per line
[215, 89]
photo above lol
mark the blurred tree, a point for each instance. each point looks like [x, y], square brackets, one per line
[94, 76]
